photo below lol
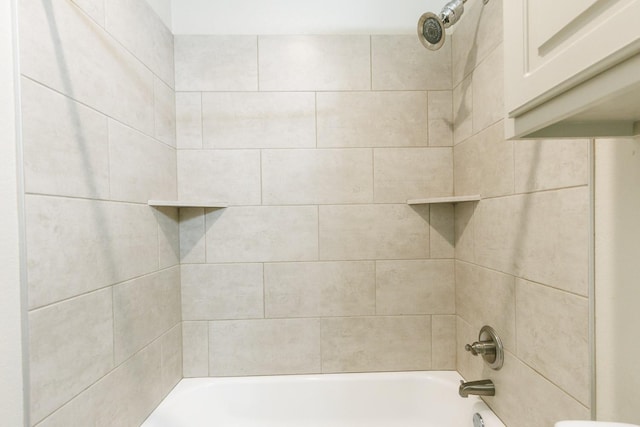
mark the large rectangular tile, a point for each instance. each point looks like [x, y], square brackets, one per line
[412, 173]
[144, 309]
[171, 357]
[262, 234]
[216, 63]
[142, 168]
[195, 349]
[415, 287]
[319, 289]
[124, 397]
[222, 291]
[192, 235]
[553, 336]
[549, 164]
[499, 227]
[463, 110]
[464, 231]
[168, 236]
[84, 62]
[314, 63]
[555, 243]
[188, 120]
[487, 297]
[93, 8]
[442, 231]
[441, 118]
[258, 120]
[165, 113]
[142, 32]
[360, 232]
[520, 406]
[317, 176]
[70, 347]
[76, 246]
[229, 176]
[488, 90]
[66, 145]
[400, 62]
[443, 342]
[264, 347]
[367, 344]
[372, 119]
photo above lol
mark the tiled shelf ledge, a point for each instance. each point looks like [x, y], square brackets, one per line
[186, 204]
[452, 199]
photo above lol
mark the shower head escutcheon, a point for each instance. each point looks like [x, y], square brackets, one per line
[431, 27]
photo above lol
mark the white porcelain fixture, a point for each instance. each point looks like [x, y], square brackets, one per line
[409, 399]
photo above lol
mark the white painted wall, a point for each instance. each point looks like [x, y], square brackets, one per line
[11, 383]
[617, 279]
[299, 16]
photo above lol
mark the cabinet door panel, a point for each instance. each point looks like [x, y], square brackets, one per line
[553, 45]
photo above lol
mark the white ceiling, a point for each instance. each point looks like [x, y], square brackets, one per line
[294, 16]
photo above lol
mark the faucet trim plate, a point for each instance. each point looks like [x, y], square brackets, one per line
[489, 346]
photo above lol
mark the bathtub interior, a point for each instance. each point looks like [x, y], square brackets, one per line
[407, 399]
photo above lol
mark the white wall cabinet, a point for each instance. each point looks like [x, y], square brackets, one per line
[558, 55]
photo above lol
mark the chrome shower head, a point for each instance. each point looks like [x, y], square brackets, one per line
[431, 27]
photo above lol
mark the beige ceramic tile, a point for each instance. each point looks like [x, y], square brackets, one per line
[464, 231]
[553, 336]
[70, 347]
[486, 297]
[124, 397]
[372, 119]
[142, 168]
[165, 113]
[475, 37]
[168, 236]
[262, 234]
[142, 32]
[463, 111]
[93, 8]
[443, 339]
[171, 348]
[144, 309]
[488, 90]
[441, 118]
[367, 344]
[499, 226]
[442, 231]
[228, 176]
[264, 347]
[294, 177]
[495, 157]
[319, 289]
[222, 291]
[555, 242]
[195, 356]
[314, 63]
[66, 145]
[521, 406]
[67, 254]
[412, 173]
[469, 366]
[549, 164]
[361, 232]
[192, 236]
[188, 120]
[402, 63]
[84, 62]
[467, 167]
[415, 287]
[259, 120]
[216, 63]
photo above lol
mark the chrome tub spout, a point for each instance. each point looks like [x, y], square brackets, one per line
[478, 388]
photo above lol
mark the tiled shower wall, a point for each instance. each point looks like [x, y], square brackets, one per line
[319, 265]
[522, 252]
[103, 267]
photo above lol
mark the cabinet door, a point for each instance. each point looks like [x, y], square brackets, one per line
[553, 45]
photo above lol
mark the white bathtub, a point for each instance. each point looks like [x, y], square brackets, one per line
[399, 399]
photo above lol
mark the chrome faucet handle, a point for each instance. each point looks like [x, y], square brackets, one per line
[481, 348]
[489, 346]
